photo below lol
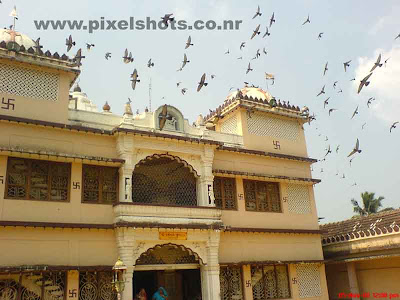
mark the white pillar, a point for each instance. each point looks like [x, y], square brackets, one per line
[206, 181]
[125, 244]
[352, 274]
[125, 151]
[210, 283]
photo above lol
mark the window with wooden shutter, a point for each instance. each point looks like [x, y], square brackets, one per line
[262, 196]
[100, 184]
[225, 192]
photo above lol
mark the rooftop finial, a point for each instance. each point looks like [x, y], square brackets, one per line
[14, 14]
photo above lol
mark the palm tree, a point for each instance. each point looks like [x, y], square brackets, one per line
[371, 204]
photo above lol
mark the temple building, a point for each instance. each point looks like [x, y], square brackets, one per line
[221, 209]
[363, 256]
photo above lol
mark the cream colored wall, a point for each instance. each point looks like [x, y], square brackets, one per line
[337, 279]
[240, 247]
[39, 109]
[73, 247]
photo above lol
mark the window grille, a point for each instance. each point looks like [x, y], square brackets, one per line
[270, 282]
[34, 286]
[167, 254]
[262, 196]
[298, 199]
[231, 283]
[163, 181]
[309, 281]
[37, 180]
[225, 192]
[230, 125]
[100, 184]
[28, 83]
[96, 286]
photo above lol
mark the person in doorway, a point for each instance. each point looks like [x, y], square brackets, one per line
[142, 295]
[161, 294]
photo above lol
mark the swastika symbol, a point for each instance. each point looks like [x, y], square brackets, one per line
[2, 179]
[73, 293]
[8, 104]
[76, 185]
[277, 145]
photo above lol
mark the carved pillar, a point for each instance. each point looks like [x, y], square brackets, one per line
[125, 243]
[210, 283]
[206, 180]
[125, 151]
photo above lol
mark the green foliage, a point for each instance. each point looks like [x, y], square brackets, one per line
[370, 204]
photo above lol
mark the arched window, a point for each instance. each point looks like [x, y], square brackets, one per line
[164, 180]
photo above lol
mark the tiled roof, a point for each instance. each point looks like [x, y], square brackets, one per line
[372, 225]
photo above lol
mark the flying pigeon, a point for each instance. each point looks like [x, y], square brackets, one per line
[184, 62]
[322, 91]
[377, 63]
[328, 150]
[249, 69]
[183, 91]
[355, 112]
[393, 126]
[242, 45]
[266, 33]
[326, 102]
[364, 82]
[326, 68]
[134, 79]
[189, 42]
[166, 18]
[334, 84]
[307, 21]
[257, 13]
[202, 82]
[69, 43]
[108, 55]
[256, 31]
[370, 101]
[272, 20]
[150, 64]
[320, 35]
[264, 51]
[127, 58]
[346, 65]
[356, 149]
[89, 46]
[78, 57]
[164, 116]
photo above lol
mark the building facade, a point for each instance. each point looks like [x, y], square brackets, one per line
[363, 256]
[221, 209]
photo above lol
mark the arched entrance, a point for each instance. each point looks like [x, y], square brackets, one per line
[163, 179]
[174, 267]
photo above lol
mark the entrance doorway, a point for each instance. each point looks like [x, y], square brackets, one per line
[179, 284]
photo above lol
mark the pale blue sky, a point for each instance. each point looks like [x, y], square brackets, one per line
[355, 30]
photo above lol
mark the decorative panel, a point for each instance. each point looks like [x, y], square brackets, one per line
[309, 281]
[231, 283]
[230, 125]
[298, 199]
[28, 83]
[270, 282]
[262, 125]
[96, 286]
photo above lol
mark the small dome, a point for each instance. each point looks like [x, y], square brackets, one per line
[254, 92]
[106, 107]
[21, 39]
[77, 88]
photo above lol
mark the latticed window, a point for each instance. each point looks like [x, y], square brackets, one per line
[270, 282]
[96, 286]
[34, 286]
[37, 180]
[231, 283]
[262, 196]
[100, 184]
[225, 192]
[164, 181]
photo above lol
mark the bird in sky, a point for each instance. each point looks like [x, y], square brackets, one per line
[346, 65]
[108, 55]
[326, 102]
[385, 62]
[369, 101]
[69, 43]
[356, 149]
[363, 125]
[337, 148]
[266, 33]
[183, 91]
[166, 18]
[393, 126]
[202, 82]
[184, 62]
[78, 58]
[320, 35]
[241, 57]
[249, 69]
[264, 51]
[89, 46]
[164, 116]
[189, 42]
[134, 79]
[355, 112]
[340, 91]
[398, 36]
[377, 63]
[272, 20]
[334, 84]
[242, 45]
[307, 21]
[364, 82]
[150, 64]
[322, 91]
[227, 51]
[325, 68]
[331, 110]
[328, 150]
[258, 13]
[212, 76]
[256, 31]
[127, 58]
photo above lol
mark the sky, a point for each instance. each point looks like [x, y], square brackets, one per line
[357, 30]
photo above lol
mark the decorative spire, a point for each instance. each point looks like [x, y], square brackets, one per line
[106, 107]
[77, 88]
[128, 108]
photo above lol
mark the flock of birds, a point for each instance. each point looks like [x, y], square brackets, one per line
[168, 18]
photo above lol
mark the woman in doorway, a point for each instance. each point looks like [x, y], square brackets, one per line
[161, 294]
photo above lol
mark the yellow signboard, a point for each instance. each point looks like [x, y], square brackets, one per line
[170, 235]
